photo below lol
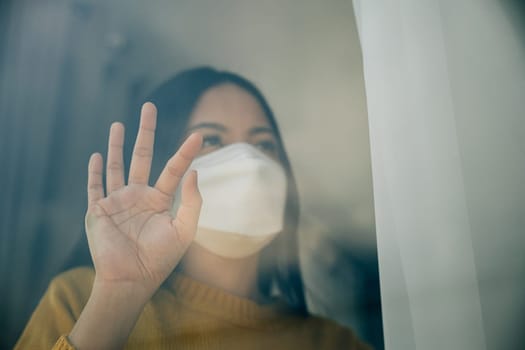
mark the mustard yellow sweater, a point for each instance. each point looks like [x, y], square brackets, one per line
[185, 314]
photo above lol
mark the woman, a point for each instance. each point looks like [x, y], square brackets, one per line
[174, 268]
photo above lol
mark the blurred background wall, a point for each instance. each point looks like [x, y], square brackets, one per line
[68, 68]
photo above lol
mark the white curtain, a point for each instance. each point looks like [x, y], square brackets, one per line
[445, 85]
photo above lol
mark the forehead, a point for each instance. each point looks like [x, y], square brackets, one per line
[230, 105]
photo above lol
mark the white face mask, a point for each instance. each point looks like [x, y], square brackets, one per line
[244, 195]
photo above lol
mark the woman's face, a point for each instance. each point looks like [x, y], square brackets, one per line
[227, 114]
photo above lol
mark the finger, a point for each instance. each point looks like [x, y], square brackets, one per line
[187, 217]
[115, 162]
[178, 164]
[143, 150]
[95, 190]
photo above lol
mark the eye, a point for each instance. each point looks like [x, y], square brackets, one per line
[211, 141]
[267, 146]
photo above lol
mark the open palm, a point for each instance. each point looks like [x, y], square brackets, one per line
[133, 238]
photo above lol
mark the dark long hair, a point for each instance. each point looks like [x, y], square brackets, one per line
[176, 99]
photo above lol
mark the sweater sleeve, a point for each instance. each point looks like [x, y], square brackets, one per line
[63, 344]
[57, 311]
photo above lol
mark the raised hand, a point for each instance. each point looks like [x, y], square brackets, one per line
[133, 238]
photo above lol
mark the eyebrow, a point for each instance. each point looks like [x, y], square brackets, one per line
[261, 129]
[215, 126]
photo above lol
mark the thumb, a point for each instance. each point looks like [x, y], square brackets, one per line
[187, 217]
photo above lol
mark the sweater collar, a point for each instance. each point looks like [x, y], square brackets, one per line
[224, 305]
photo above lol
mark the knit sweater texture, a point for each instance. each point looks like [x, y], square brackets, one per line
[186, 314]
